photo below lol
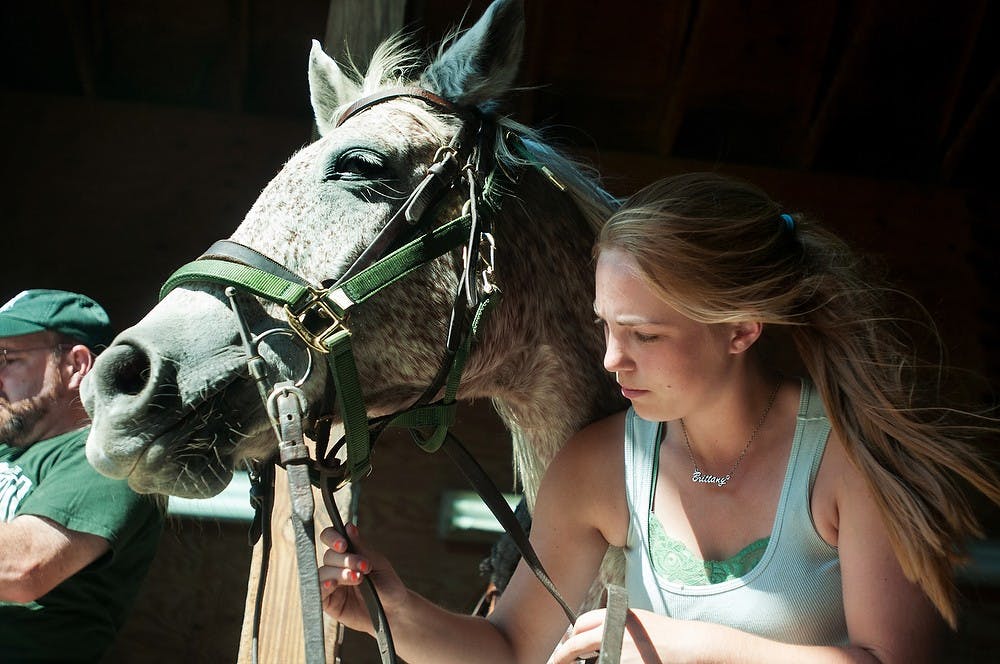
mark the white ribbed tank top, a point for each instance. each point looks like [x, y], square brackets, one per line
[793, 594]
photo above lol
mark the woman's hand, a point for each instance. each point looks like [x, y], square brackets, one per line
[342, 573]
[583, 639]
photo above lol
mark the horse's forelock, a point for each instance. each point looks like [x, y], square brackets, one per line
[396, 61]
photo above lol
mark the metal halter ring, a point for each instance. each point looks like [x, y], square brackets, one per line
[284, 330]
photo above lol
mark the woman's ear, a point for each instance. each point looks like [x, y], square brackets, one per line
[743, 335]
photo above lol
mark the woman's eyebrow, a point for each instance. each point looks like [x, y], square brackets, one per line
[629, 320]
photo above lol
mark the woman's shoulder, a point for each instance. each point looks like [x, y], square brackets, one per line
[599, 435]
[587, 478]
[592, 448]
[839, 488]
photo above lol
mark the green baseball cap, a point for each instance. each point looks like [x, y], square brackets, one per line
[74, 315]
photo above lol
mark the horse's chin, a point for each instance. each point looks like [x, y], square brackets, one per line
[199, 477]
[194, 456]
[188, 470]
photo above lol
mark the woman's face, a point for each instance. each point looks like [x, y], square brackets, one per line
[665, 362]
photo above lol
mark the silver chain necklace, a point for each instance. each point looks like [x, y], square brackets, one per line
[699, 477]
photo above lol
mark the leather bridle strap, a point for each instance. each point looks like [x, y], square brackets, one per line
[615, 617]
[365, 103]
[227, 250]
[286, 406]
[495, 501]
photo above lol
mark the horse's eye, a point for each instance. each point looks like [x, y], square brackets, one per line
[358, 164]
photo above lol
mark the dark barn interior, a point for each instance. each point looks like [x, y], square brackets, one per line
[140, 132]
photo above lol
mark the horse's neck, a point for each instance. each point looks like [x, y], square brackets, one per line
[540, 359]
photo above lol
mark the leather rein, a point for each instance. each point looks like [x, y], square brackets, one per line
[317, 315]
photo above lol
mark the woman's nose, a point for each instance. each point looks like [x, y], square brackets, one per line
[615, 358]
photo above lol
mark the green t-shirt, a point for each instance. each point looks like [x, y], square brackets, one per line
[78, 619]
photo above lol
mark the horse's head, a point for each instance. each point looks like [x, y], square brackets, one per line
[172, 402]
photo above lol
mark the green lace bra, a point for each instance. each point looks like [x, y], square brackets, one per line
[673, 561]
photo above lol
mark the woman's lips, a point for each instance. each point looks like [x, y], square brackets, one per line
[629, 393]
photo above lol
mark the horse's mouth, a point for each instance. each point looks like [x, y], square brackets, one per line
[194, 455]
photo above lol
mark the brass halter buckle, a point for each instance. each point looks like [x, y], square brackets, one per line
[315, 320]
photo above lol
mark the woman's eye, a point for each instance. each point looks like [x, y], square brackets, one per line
[358, 164]
[645, 338]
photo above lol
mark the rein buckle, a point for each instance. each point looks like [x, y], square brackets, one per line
[315, 321]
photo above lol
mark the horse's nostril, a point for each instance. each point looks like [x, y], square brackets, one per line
[130, 370]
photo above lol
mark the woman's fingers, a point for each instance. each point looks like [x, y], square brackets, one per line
[330, 577]
[339, 568]
[582, 640]
[337, 554]
[347, 560]
[333, 539]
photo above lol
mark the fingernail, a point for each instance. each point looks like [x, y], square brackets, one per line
[328, 583]
[340, 546]
[364, 566]
[355, 575]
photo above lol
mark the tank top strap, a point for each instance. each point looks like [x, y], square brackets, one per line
[815, 430]
[642, 452]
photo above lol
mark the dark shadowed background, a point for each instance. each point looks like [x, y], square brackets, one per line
[140, 132]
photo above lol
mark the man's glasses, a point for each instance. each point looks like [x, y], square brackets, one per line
[4, 351]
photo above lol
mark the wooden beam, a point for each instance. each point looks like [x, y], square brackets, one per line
[239, 39]
[354, 28]
[965, 136]
[827, 97]
[84, 26]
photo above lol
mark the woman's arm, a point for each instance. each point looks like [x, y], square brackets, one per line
[578, 501]
[580, 510]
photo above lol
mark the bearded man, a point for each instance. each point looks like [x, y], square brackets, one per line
[74, 545]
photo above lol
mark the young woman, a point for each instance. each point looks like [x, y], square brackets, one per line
[765, 518]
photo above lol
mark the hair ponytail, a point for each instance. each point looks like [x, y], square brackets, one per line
[913, 453]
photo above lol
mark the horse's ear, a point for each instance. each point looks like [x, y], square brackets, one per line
[329, 88]
[481, 65]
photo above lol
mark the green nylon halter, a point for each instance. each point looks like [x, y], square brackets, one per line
[307, 306]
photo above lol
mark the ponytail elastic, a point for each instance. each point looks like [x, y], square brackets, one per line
[789, 222]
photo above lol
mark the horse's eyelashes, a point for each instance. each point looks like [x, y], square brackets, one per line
[358, 164]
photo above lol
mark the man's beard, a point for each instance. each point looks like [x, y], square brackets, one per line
[18, 419]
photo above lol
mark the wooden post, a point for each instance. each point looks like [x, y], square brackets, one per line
[357, 27]
[281, 634]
